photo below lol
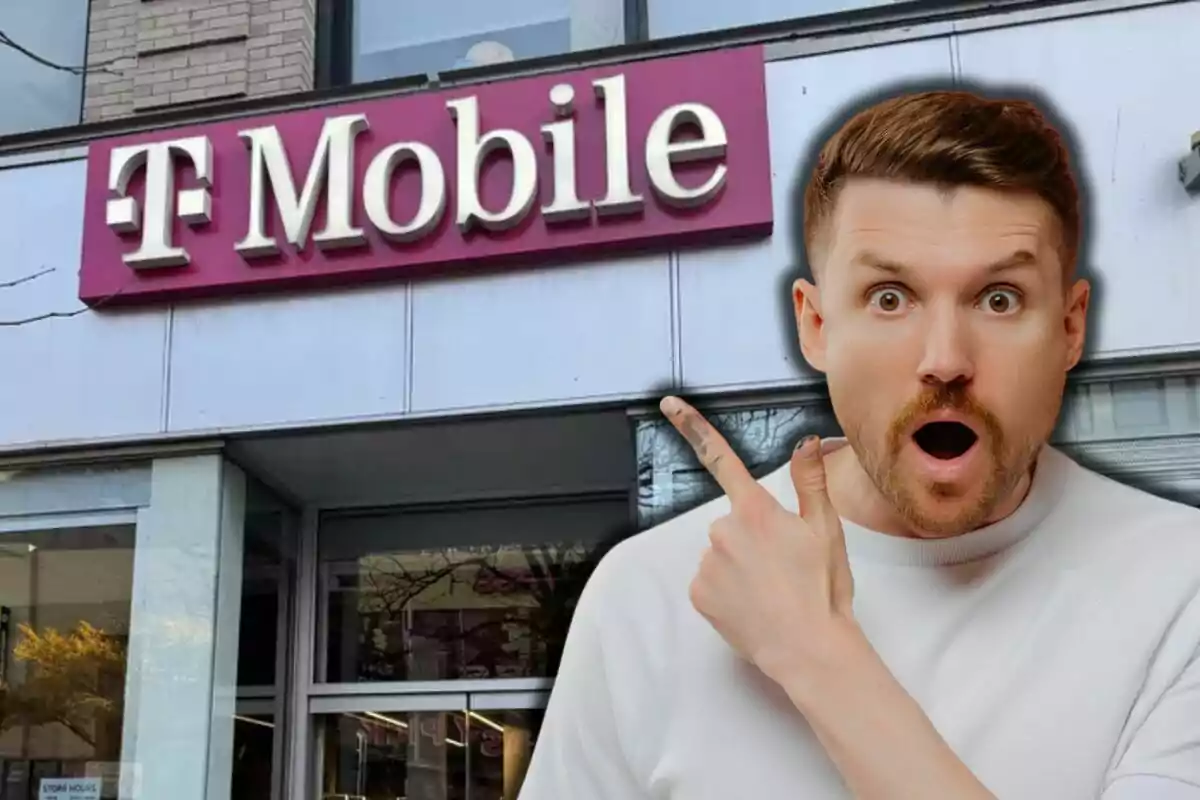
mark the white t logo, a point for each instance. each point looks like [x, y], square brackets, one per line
[193, 206]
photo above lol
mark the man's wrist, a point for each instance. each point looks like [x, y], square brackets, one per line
[810, 670]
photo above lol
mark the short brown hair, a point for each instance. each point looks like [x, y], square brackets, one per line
[949, 138]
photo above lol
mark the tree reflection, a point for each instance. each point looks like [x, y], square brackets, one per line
[470, 612]
[74, 679]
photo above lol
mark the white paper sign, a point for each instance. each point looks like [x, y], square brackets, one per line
[70, 789]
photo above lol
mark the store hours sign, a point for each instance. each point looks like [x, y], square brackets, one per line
[510, 174]
[70, 789]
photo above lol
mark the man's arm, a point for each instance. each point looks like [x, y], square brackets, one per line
[1159, 755]
[581, 752]
[875, 733]
[778, 588]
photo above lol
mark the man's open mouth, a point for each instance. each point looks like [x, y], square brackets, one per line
[945, 440]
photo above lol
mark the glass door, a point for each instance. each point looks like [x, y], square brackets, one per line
[505, 727]
[438, 746]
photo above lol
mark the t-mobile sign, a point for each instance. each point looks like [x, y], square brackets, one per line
[647, 154]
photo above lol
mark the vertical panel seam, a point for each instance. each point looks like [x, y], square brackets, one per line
[676, 320]
[409, 348]
[167, 361]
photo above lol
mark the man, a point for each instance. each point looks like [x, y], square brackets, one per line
[939, 605]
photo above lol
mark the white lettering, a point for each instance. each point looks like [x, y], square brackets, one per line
[619, 198]
[377, 191]
[193, 206]
[330, 179]
[560, 138]
[662, 153]
[331, 169]
[472, 151]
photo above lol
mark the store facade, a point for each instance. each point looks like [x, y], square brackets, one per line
[315, 418]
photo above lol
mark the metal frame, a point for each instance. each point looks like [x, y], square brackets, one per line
[309, 698]
[283, 659]
[483, 502]
[335, 38]
[408, 701]
[321, 690]
[335, 42]
[297, 768]
[81, 519]
[274, 699]
[507, 701]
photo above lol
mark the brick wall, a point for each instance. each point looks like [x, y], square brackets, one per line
[145, 55]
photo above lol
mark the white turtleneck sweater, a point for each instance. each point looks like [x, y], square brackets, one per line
[1056, 651]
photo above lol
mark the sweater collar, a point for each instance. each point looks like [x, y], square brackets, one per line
[864, 544]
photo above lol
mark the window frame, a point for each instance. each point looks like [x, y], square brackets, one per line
[335, 39]
[81, 77]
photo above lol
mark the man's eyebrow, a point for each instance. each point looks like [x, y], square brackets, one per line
[1018, 259]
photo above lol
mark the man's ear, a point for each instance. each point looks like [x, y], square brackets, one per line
[1075, 320]
[810, 324]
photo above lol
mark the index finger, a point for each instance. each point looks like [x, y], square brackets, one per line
[711, 448]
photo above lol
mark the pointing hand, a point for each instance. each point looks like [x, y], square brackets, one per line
[774, 584]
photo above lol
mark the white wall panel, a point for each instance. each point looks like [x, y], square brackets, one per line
[88, 376]
[281, 360]
[542, 334]
[1129, 83]
[736, 324]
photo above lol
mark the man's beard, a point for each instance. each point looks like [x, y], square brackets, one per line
[1008, 462]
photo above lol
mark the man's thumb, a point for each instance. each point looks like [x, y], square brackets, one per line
[808, 478]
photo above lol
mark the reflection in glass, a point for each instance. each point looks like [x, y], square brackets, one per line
[680, 17]
[265, 561]
[65, 598]
[474, 33]
[670, 478]
[394, 754]
[267, 566]
[501, 745]
[34, 94]
[426, 755]
[253, 750]
[427, 596]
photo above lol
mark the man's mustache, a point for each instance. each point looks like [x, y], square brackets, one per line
[952, 396]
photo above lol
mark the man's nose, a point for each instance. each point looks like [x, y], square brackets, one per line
[947, 357]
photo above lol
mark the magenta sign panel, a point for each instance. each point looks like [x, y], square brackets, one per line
[536, 171]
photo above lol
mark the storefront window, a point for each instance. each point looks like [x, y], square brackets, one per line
[376, 39]
[65, 597]
[679, 17]
[253, 754]
[118, 589]
[267, 571]
[671, 480]
[450, 755]
[474, 592]
[370, 40]
[34, 94]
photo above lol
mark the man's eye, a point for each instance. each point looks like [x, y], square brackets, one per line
[888, 299]
[1001, 301]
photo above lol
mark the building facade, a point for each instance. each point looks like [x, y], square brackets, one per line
[331, 340]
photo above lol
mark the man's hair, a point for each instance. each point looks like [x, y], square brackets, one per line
[948, 139]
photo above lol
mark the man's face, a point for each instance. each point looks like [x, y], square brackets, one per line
[945, 329]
